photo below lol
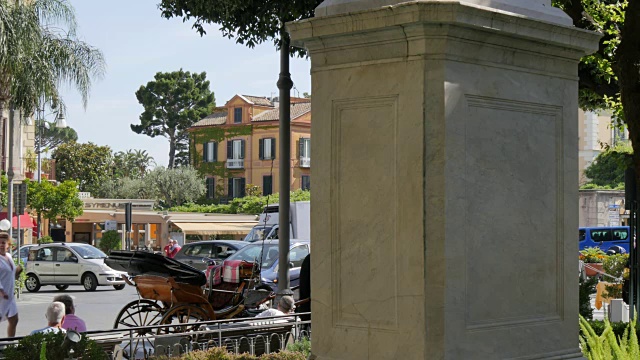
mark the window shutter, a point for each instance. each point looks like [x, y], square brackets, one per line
[229, 149]
[241, 149]
[242, 187]
[230, 191]
[261, 149]
[300, 147]
[215, 151]
[273, 148]
[205, 146]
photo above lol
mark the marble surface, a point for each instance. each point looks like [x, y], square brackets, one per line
[445, 183]
[535, 9]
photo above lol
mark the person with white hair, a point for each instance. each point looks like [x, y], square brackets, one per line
[285, 306]
[55, 317]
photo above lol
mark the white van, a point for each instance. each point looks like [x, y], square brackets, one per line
[64, 264]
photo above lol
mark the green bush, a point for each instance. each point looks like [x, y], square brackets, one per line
[220, 353]
[21, 278]
[30, 347]
[607, 345]
[45, 240]
[587, 287]
[618, 328]
[110, 241]
[301, 346]
[245, 205]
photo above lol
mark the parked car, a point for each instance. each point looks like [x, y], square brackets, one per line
[197, 254]
[24, 252]
[64, 264]
[298, 250]
[604, 237]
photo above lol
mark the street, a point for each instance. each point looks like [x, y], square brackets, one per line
[98, 308]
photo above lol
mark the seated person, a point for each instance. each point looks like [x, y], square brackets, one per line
[55, 317]
[285, 306]
[71, 321]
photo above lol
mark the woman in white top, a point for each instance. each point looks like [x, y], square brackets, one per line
[8, 271]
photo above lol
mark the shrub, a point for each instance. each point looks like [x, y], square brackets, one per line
[50, 344]
[110, 241]
[21, 278]
[607, 345]
[301, 346]
[45, 240]
[220, 353]
[587, 287]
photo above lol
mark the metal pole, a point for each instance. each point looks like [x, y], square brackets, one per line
[632, 268]
[39, 229]
[284, 85]
[10, 173]
[18, 249]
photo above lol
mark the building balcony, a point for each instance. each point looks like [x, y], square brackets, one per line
[305, 162]
[235, 163]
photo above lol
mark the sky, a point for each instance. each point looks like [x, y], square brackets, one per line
[137, 43]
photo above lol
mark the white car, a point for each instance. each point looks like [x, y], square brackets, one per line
[64, 264]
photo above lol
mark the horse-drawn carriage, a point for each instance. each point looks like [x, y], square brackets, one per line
[174, 294]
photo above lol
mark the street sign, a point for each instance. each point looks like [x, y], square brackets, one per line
[614, 215]
[110, 225]
[20, 197]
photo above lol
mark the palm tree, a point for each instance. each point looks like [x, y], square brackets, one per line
[39, 51]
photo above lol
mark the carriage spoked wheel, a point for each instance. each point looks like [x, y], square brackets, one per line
[182, 318]
[135, 314]
[139, 313]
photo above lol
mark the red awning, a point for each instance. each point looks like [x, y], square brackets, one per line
[25, 220]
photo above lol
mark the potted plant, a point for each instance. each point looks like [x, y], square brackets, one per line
[594, 257]
[30, 162]
[45, 168]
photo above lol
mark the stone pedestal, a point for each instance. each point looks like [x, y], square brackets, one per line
[445, 188]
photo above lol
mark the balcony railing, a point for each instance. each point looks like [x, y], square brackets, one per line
[235, 163]
[305, 162]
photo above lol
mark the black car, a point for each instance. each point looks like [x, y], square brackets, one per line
[196, 254]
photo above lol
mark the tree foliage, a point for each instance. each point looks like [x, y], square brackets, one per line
[51, 136]
[86, 163]
[40, 51]
[176, 186]
[608, 167]
[110, 241]
[132, 163]
[249, 22]
[54, 202]
[245, 205]
[172, 103]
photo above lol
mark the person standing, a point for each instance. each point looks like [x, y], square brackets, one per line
[71, 321]
[167, 249]
[174, 248]
[8, 273]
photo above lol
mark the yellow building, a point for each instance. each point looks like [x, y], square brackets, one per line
[237, 146]
[595, 130]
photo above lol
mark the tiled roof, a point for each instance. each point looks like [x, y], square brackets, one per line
[216, 118]
[297, 110]
[258, 100]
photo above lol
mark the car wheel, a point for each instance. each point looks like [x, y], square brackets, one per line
[89, 282]
[118, 287]
[32, 283]
[62, 287]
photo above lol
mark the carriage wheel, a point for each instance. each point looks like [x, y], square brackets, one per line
[139, 313]
[182, 318]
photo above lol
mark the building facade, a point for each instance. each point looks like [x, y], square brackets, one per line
[237, 147]
[595, 130]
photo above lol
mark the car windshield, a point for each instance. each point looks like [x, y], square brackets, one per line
[252, 252]
[258, 233]
[89, 252]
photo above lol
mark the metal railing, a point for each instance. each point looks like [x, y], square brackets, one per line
[235, 163]
[255, 336]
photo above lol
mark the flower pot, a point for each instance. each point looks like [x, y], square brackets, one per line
[29, 174]
[45, 176]
[589, 268]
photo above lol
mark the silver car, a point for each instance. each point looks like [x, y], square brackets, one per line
[64, 264]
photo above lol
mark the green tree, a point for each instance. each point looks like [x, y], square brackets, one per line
[172, 103]
[132, 163]
[52, 136]
[88, 164]
[125, 188]
[39, 51]
[110, 241]
[54, 202]
[174, 187]
[608, 167]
